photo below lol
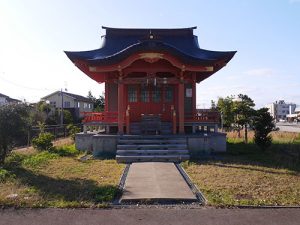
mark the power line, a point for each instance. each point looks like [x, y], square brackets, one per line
[25, 87]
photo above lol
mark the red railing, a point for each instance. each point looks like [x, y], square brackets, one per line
[105, 117]
[201, 115]
[204, 115]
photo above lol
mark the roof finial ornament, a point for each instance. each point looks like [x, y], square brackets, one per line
[151, 36]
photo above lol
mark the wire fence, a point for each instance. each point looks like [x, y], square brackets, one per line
[58, 131]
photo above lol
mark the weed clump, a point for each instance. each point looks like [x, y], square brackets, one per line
[66, 150]
[37, 160]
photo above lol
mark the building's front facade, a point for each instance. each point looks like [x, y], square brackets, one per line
[279, 110]
[150, 78]
[76, 104]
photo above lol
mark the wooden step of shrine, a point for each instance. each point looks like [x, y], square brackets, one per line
[152, 148]
[137, 128]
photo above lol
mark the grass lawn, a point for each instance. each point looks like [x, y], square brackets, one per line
[57, 179]
[245, 175]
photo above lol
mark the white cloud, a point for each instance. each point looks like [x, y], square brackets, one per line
[260, 72]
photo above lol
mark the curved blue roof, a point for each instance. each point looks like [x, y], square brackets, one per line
[119, 43]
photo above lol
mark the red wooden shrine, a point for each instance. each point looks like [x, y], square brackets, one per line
[150, 72]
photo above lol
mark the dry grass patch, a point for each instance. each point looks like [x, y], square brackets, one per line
[50, 180]
[246, 175]
[229, 184]
[277, 136]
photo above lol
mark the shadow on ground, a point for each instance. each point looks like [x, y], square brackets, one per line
[79, 190]
[279, 155]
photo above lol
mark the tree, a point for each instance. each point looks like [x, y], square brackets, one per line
[42, 106]
[225, 107]
[263, 124]
[14, 120]
[40, 113]
[213, 104]
[97, 102]
[100, 104]
[68, 118]
[91, 97]
[243, 110]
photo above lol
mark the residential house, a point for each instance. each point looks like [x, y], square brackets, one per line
[76, 104]
[5, 100]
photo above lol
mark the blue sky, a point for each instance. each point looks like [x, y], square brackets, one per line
[266, 34]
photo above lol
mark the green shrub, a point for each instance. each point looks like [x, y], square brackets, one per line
[39, 159]
[104, 194]
[43, 141]
[66, 150]
[73, 130]
[4, 175]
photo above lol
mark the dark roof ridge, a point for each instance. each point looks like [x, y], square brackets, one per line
[127, 28]
[3, 95]
[75, 96]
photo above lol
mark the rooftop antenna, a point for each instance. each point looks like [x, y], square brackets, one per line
[151, 35]
[66, 85]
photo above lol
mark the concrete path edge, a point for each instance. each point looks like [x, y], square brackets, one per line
[193, 187]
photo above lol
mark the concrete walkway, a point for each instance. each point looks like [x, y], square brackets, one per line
[156, 181]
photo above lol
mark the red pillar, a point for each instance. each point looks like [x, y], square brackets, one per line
[194, 94]
[120, 107]
[106, 96]
[181, 106]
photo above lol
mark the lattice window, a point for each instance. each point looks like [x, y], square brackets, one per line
[156, 94]
[144, 94]
[67, 104]
[169, 94]
[132, 93]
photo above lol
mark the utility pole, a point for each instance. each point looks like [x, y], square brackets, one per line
[62, 108]
[222, 125]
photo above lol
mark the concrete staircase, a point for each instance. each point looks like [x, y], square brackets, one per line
[151, 148]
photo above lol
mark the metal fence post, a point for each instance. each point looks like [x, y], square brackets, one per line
[28, 137]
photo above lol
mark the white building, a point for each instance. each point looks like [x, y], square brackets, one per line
[294, 116]
[279, 110]
[76, 104]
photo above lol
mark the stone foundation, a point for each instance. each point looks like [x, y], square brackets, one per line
[106, 145]
[210, 143]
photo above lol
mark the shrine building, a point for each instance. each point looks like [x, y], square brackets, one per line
[150, 78]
